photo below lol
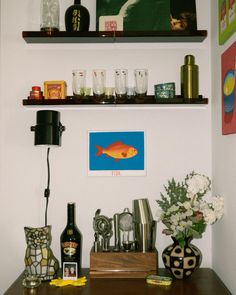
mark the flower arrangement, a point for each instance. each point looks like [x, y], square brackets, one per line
[184, 212]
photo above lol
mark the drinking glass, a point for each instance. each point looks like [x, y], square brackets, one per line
[121, 78]
[99, 81]
[141, 81]
[78, 83]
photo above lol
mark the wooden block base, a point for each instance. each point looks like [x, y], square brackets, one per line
[123, 264]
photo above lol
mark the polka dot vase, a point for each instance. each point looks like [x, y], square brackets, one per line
[182, 262]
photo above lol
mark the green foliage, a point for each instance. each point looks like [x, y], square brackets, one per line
[176, 192]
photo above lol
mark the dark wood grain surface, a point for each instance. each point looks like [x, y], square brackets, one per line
[203, 282]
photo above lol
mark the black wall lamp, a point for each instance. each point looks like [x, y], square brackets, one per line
[48, 131]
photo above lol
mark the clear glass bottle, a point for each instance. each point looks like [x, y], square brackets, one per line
[49, 16]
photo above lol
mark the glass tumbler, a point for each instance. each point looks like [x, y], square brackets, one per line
[141, 82]
[49, 16]
[99, 81]
[121, 78]
[78, 83]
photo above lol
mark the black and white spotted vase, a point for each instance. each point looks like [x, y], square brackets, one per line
[182, 262]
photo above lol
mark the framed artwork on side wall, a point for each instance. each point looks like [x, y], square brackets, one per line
[228, 71]
[226, 19]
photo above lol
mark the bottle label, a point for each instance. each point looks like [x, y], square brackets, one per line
[69, 248]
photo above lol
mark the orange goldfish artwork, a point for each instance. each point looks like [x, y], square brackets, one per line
[117, 150]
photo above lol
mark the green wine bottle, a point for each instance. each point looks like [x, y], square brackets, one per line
[71, 245]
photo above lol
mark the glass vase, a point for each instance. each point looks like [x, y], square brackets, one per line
[49, 15]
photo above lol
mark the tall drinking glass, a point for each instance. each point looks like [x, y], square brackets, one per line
[99, 81]
[121, 78]
[78, 83]
[141, 82]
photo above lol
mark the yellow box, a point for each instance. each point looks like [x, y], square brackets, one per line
[55, 90]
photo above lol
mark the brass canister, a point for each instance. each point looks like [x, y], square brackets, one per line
[189, 78]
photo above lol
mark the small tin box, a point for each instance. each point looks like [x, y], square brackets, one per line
[165, 90]
[55, 90]
[159, 280]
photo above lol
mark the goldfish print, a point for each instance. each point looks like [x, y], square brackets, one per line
[117, 150]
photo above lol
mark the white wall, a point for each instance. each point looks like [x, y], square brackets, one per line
[178, 139]
[224, 170]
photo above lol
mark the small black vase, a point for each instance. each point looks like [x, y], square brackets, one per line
[77, 18]
[182, 261]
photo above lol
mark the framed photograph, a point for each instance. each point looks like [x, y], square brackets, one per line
[226, 19]
[70, 271]
[228, 71]
[116, 153]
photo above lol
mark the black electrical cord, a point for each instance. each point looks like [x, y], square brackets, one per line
[47, 190]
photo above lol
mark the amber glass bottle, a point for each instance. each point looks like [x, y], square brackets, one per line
[77, 18]
[71, 242]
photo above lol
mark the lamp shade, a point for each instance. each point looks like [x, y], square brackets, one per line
[48, 129]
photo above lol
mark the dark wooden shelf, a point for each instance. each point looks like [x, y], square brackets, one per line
[203, 281]
[114, 37]
[150, 99]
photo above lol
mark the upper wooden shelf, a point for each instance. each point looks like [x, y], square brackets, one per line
[114, 37]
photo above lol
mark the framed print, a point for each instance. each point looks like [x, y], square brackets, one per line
[119, 153]
[136, 15]
[70, 271]
[226, 19]
[148, 15]
[228, 70]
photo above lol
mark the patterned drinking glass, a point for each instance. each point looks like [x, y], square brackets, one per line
[121, 78]
[141, 81]
[99, 81]
[78, 83]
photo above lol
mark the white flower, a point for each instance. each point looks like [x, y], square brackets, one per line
[197, 183]
[190, 195]
[209, 216]
[186, 224]
[173, 208]
[174, 219]
[187, 205]
[218, 206]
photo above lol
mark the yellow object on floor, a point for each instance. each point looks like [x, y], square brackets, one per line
[61, 283]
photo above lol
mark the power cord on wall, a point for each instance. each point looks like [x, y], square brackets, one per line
[47, 190]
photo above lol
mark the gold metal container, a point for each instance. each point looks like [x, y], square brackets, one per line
[189, 78]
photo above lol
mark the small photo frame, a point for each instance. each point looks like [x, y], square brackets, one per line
[111, 23]
[70, 271]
